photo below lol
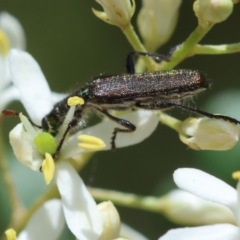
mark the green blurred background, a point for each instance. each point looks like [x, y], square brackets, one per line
[72, 46]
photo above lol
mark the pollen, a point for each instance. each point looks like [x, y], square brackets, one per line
[236, 175]
[48, 168]
[4, 43]
[11, 234]
[73, 101]
[91, 143]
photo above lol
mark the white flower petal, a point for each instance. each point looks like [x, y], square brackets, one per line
[4, 73]
[212, 232]
[186, 209]
[23, 149]
[31, 83]
[47, 223]
[145, 122]
[13, 29]
[7, 96]
[130, 233]
[206, 186]
[79, 208]
[237, 212]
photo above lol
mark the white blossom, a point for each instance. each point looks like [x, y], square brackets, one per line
[84, 217]
[11, 36]
[212, 189]
[77, 208]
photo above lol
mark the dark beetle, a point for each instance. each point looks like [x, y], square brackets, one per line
[150, 90]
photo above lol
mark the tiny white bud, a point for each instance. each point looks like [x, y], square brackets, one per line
[110, 219]
[208, 134]
[13, 29]
[157, 21]
[213, 11]
[116, 12]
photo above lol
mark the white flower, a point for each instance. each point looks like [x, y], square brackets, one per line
[37, 99]
[208, 134]
[84, 217]
[212, 189]
[11, 36]
[116, 12]
[157, 20]
[77, 208]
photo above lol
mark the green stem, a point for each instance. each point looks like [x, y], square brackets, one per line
[153, 204]
[186, 48]
[137, 45]
[16, 205]
[217, 49]
[169, 121]
[51, 193]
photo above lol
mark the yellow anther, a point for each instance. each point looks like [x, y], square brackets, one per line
[91, 143]
[73, 101]
[236, 175]
[48, 168]
[4, 43]
[11, 234]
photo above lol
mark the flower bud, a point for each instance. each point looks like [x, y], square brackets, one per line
[110, 219]
[187, 209]
[213, 11]
[208, 134]
[116, 12]
[157, 21]
[13, 30]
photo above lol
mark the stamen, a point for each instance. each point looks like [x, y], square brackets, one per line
[48, 168]
[73, 101]
[236, 175]
[27, 125]
[4, 43]
[91, 143]
[11, 234]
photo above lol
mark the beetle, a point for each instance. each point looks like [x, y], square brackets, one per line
[150, 90]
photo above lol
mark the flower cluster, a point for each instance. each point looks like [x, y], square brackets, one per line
[50, 144]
